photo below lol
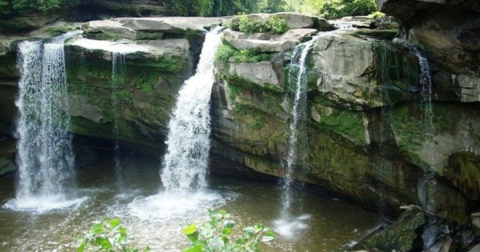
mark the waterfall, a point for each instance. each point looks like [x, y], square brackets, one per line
[287, 225]
[45, 155]
[385, 81]
[298, 135]
[429, 182]
[118, 81]
[185, 163]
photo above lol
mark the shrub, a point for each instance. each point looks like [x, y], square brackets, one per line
[216, 235]
[107, 236]
[33, 6]
[337, 9]
[252, 24]
[225, 52]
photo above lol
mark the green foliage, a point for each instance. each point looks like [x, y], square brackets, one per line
[257, 123]
[340, 8]
[33, 6]
[213, 7]
[216, 235]
[271, 6]
[107, 236]
[225, 52]
[377, 14]
[252, 24]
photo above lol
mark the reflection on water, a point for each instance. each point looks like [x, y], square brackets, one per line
[156, 218]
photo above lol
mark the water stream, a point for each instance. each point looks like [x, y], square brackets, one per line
[188, 142]
[288, 223]
[118, 81]
[429, 182]
[46, 175]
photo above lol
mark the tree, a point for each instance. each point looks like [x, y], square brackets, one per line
[32, 6]
[271, 6]
[337, 9]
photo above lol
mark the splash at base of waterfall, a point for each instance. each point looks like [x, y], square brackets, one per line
[44, 203]
[172, 205]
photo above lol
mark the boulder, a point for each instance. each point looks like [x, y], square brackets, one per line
[148, 28]
[446, 30]
[259, 42]
[262, 45]
[399, 236]
[21, 24]
[352, 79]
[260, 73]
[107, 29]
[475, 249]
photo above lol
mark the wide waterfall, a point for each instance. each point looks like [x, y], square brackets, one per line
[45, 155]
[186, 161]
[287, 224]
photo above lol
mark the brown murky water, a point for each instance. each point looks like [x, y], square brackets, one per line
[156, 219]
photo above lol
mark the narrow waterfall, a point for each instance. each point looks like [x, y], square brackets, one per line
[118, 81]
[45, 155]
[297, 137]
[288, 224]
[429, 182]
[185, 164]
[385, 81]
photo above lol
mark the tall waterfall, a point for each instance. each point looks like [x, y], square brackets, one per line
[186, 161]
[429, 182]
[297, 137]
[45, 155]
[288, 224]
[118, 81]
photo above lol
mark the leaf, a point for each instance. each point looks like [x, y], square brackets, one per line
[193, 237]
[190, 229]
[115, 222]
[248, 231]
[97, 228]
[267, 238]
[196, 248]
[229, 224]
[103, 242]
[82, 246]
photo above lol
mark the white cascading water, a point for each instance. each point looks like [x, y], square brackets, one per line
[45, 154]
[287, 225]
[186, 161]
[429, 182]
[118, 80]
[185, 164]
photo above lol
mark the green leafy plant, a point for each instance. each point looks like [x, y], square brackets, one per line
[107, 236]
[251, 24]
[225, 52]
[217, 235]
[340, 8]
[33, 6]
[377, 14]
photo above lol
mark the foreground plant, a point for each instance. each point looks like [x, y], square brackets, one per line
[107, 236]
[216, 235]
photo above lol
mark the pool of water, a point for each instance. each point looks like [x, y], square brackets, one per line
[156, 218]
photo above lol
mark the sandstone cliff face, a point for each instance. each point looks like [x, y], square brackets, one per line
[448, 30]
[368, 134]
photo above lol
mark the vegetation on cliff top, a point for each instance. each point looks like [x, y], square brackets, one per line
[21, 7]
[327, 8]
